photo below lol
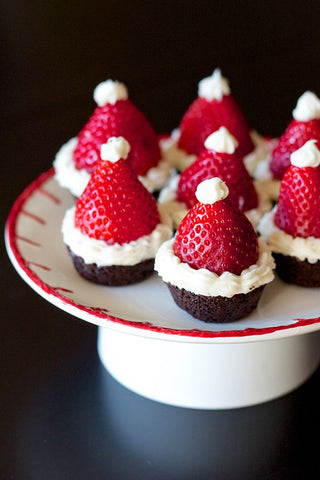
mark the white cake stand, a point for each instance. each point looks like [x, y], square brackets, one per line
[150, 345]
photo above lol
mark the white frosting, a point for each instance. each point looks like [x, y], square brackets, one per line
[168, 200]
[157, 177]
[180, 160]
[221, 141]
[170, 151]
[306, 156]
[264, 205]
[213, 87]
[205, 282]
[109, 91]
[169, 192]
[67, 175]
[114, 149]
[212, 190]
[258, 165]
[270, 187]
[281, 242]
[75, 180]
[307, 108]
[260, 155]
[98, 252]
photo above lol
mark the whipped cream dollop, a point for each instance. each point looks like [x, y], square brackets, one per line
[211, 190]
[307, 108]
[213, 87]
[281, 242]
[306, 156]
[221, 141]
[102, 254]
[114, 149]
[205, 282]
[109, 91]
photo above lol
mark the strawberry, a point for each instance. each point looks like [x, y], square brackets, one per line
[115, 207]
[118, 118]
[215, 234]
[204, 117]
[299, 202]
[295, 136]
[229, 167]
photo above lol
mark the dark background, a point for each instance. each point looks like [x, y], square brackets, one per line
[63, 417]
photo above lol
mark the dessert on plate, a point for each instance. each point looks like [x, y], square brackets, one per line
[214, 107]
[215, 266]
[115, 229]
[292, 228]
[304, 126]
[115, 115]
[219, 158]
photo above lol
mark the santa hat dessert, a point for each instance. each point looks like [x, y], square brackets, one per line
[115, 228]
[214, 107]
[215, 266]
[304, 126]
[220, 158]
[292, 228]
[115, 115]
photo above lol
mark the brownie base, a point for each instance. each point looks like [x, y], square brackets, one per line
[298, 272]
[114, 275]
[216, 309]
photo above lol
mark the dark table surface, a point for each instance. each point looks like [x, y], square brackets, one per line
[62, 416]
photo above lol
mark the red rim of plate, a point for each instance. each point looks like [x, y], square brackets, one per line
[94, 312]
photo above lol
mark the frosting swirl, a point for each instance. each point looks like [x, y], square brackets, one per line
[204, 282]
[281, 242]
[102, 254]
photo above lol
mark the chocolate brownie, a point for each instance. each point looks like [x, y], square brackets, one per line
[298, 272]
[216, 309]
[114, 275]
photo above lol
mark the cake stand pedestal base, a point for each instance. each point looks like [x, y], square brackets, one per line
[208, 375]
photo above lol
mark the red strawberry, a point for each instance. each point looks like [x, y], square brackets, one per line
[216, 236]
[204, 117]
[115, 206]
[121, 118]
[298, 209]
[229, 167]
[296, 134]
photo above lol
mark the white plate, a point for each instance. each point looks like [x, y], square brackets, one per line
[35, 247]
[148, 343]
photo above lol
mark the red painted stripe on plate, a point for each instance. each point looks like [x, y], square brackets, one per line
[34, 217]
[28, 240]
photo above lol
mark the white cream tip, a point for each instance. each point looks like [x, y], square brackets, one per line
[221, 141]
[306, 156]
[213, 87]
[211, 190]
[114, 149]
[307, 108]
[109, 91]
